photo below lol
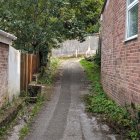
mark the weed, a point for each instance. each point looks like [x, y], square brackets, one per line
[24, 131]
[47, 74]
[3, 130]
[39, 103]
[98, 103]
[8, 121]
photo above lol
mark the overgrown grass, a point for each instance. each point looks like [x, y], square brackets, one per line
[47, 74]
[98, 103]
[25, 130]
[6, 110]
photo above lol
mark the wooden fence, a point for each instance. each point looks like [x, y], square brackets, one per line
[29, 66]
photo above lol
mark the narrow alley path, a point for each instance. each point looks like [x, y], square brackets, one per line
[63, 117]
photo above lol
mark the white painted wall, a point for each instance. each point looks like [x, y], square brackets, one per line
[14, 73]
[74, 47]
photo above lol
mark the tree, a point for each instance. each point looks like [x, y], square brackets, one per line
[41, 25]
[81, 17]
[33, 22]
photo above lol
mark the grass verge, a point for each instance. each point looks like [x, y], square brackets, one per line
[47, 74]
[25, 130]
[98, 103]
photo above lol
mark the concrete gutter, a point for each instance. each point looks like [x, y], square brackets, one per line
[7, 35]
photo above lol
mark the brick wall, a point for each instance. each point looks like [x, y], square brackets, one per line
[4, 49]
[120, 67]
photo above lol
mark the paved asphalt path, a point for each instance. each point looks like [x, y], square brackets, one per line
[62, 118]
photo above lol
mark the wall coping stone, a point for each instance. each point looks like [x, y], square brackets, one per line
[6, 38]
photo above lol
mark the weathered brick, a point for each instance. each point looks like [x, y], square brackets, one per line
[4, 49]
[120, 68]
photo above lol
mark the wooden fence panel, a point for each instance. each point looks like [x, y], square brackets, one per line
[35, 63]
[26, 71]
[23, 72]
[29, 66]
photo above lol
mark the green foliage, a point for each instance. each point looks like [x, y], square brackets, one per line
[43, 24]
[5, 111]
[97, 59]
[82, 17]
[33, 22]
[99, 103]
[133, 135]
[3, 130]
[39, 103]
[24, 131]
[47, 74]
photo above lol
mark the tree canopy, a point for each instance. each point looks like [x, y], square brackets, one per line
[42, 24]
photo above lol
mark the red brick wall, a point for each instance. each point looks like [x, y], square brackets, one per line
[4, 50]
[120, 68]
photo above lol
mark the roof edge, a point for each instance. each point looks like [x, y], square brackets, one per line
[8, 35]
[104, 6]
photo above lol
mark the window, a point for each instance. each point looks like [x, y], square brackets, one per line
[132, 19]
